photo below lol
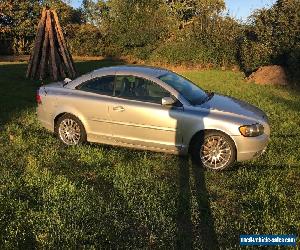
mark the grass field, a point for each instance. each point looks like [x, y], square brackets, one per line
[96, 195]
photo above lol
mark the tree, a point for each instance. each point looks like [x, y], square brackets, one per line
[138, 23]
[20, 19]
[94, 12]
[188, 10]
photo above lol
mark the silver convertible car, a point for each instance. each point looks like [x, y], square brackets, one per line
[153, 109]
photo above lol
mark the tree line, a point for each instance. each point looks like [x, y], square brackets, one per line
[168, 31]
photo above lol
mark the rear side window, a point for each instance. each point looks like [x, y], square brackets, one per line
[100, 85]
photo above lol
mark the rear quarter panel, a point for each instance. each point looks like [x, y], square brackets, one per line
[46, 109]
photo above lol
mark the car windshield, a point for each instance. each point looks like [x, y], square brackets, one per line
[186, 88]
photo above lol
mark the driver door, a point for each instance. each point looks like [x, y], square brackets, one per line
[138, 117]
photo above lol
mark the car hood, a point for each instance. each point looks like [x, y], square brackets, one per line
[234, 106]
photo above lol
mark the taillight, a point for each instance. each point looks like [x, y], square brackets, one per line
[38, 98]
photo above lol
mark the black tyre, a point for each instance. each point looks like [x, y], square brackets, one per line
[213, 150]
[70, 130]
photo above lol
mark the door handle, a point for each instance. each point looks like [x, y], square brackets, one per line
[118, 109]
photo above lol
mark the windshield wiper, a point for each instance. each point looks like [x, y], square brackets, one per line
[209, 96]
[201, 101]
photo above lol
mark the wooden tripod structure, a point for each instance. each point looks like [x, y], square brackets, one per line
[50, 54]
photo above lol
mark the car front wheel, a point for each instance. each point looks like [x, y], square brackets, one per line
[70, 130]
[214, 150]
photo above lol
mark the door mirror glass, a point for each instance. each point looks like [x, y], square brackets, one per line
[167, 101]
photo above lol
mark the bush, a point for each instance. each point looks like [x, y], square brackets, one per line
[193, 53]
[182, 52]
[253, 55]
[293, 66]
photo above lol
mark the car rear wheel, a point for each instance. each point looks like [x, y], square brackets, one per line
[70, 130]
[214, 150]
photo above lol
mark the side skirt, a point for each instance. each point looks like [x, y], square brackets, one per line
[113, 142]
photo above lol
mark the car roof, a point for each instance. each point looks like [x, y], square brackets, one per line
[128, 69]
[145, 71]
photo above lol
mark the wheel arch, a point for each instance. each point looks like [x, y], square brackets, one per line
[59, 115]
[202, 133]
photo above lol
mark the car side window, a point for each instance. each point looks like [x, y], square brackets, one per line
[140, 89]
[100, 85]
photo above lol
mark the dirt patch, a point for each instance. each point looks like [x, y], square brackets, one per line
[274, 75]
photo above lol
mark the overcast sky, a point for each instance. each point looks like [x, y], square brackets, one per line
[240, 9]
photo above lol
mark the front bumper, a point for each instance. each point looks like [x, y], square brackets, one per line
[250, 147]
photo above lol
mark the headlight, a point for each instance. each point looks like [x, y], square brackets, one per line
[252, 130]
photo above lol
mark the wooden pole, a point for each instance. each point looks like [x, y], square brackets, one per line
[64, 49]
[52, 47]
[63, 52]
[45, 52]
[59, 63]
[32, 66]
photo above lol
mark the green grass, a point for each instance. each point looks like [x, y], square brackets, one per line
[96, 195]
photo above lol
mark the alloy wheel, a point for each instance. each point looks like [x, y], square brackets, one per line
[215, 152]
[69, 131]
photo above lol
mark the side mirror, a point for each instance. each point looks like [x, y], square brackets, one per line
[67, 80]
[167, 101]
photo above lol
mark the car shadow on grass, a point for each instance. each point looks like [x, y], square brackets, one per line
[203, 227]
